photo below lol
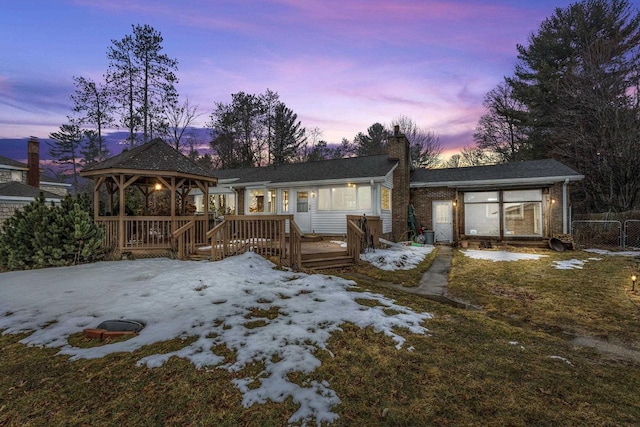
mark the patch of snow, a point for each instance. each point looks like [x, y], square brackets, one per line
[613, 253]
[496, 256]
[397, 257]
[221, 303]
[573, 264]
[567, 361]
[569, 264]
[340, 243]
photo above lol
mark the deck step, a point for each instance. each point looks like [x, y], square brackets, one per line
[326, 262]
[322, 255]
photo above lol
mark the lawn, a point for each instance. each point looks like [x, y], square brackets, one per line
[511, 363]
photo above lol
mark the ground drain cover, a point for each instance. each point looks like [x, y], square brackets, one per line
[114, 328]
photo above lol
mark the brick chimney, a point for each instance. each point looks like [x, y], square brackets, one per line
[33, 161]
[398, 149]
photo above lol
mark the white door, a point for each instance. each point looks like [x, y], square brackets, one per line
[302, 215]
[442, 220]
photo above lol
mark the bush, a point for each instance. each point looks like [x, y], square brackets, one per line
[45, 236]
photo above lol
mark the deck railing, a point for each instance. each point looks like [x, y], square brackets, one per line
[264, 234]
[295, 245]
[354, 239]
[150, 233]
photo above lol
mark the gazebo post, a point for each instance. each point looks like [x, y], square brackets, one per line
[121, 212]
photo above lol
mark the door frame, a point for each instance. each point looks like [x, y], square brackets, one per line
[438, 226]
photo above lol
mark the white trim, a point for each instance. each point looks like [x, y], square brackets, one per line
[498, 182]
[26, 199]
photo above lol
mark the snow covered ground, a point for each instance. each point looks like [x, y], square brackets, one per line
[397, 256]
[496, 256]
[222, 303]
[570, 264]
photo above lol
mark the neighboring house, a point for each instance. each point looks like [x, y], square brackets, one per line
[19, 187]
[523, 201]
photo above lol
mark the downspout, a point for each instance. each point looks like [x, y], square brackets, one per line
[564, 206]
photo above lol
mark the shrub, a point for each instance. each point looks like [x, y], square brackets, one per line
[44, 236]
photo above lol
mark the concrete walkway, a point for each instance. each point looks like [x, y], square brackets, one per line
[433, 284]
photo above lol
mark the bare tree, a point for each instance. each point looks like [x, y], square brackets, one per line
[424, 145]
[501, 128]
[179, 118]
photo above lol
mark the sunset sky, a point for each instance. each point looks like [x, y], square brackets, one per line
[340, 65]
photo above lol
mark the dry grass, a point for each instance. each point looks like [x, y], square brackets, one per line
[408, 278]
[473, 368]
[594, 300]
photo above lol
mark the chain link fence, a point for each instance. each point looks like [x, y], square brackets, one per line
[631, 236]
[597, 233]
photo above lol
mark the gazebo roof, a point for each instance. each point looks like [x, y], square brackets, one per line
[153, 158]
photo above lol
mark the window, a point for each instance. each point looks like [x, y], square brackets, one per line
[364, 197]
[481, 213]
[522, 213]
[302, 204]
[344, 198]
[272, 204]
[219, 204]
[285, 201]
[16, 176]
[256, 201]
[520, 210]
[385, 199]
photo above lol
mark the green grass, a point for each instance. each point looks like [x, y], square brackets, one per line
[475, 368]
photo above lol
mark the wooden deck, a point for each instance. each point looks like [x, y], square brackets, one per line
[276, 237]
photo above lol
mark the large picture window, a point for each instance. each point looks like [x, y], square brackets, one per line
[522, 213]
[481, 213]
[520, 210]
[344, 198]
[219, 204]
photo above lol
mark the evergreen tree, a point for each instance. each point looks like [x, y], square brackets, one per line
[41, 235]
[142, 79]
[374, 142]
[578, 80]
[92, 101]
[65, 148]
[288, 135]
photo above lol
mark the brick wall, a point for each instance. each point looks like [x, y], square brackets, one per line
[398, 148]
[422, 199]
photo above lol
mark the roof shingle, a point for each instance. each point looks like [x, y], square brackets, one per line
[155, 155]
[335, 169]
[532, 169]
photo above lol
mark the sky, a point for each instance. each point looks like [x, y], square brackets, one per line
[340, 65]
[216, 303]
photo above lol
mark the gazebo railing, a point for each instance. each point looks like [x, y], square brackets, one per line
[140, 233]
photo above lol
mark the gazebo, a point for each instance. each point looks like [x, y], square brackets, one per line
[153, 213]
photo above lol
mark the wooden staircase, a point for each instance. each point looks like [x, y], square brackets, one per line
[326, 260]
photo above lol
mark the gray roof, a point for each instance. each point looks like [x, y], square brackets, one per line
[353, 168]
[18, 189]
[13, 163]
[155, 155]
[516, 173]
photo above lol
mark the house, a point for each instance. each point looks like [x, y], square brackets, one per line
[513, 202]
[21, 183]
